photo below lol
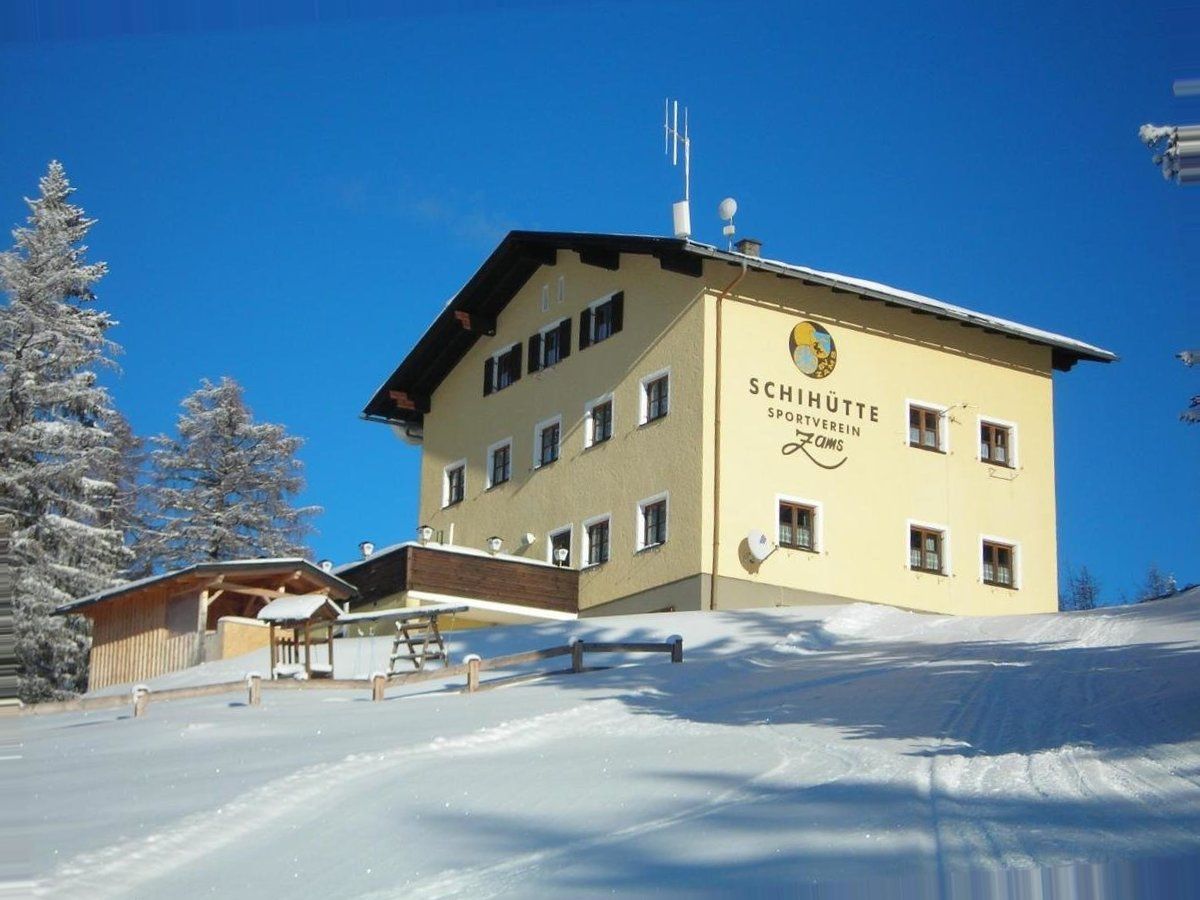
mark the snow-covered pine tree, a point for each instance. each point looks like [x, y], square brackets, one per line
[55, 443]
[223, 487]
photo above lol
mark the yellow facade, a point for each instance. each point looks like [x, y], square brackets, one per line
[855, 467]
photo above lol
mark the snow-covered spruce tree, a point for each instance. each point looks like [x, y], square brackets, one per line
[55, 443]
[223, 487]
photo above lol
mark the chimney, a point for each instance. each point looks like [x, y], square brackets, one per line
[749, 247]
[366, 548]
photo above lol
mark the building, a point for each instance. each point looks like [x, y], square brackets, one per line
[497, 588]
[648, 404]
[197, 614]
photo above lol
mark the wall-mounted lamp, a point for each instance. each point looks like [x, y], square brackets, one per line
[425, 534]
[560, 555]
[495, 543]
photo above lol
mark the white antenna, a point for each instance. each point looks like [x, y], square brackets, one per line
[681, 211]
[727, 210]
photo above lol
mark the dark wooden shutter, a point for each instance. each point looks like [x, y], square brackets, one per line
[535, 353]
[514, 362]
[585, 328]
[618, 311]
[489, 371]
[564, 338]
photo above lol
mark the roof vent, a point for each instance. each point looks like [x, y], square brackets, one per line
[366, 548]
[749, 247]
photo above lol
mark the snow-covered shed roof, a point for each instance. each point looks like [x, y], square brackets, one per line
[299, 608]
[314, 574]
[472, 312]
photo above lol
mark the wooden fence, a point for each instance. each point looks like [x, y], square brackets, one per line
[470, 668]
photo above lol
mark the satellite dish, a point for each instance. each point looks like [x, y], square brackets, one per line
[728, 208]
[760, 547]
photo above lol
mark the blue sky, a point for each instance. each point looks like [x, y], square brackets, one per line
[288, 193]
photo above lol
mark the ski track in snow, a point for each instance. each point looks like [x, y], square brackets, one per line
[118, 870]
[988, 768]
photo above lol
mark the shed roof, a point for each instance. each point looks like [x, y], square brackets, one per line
[299, 608]
[197, 572]
[472, 312]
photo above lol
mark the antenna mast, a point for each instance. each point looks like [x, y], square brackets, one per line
[672, 136]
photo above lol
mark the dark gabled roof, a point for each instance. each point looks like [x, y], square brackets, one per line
[404, 397]
[199, 570]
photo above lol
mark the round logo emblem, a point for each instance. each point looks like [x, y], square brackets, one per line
[812, 350]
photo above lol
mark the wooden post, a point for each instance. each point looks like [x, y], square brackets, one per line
[576, 654]
[472, 662]
[141, 697]
[676, 643]
[271, 674]
[329, 641]
[254, 685]
[378, 684]
[307, 651]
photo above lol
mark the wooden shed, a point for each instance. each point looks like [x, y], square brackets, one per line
[168, 622]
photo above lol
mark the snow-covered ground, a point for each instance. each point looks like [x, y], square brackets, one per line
[792, 747]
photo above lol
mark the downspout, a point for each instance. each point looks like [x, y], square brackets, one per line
[716, 536]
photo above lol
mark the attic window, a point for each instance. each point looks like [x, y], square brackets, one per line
[502, 369]
[550, 346]
[601, 320]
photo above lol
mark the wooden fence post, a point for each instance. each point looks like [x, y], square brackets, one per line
[676, 643]
[141, 697]
[576, 654]
[472, 662]
[254, 686]
[378, 684]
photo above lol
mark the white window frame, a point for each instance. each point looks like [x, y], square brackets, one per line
[909, 524]
[542, 332]
[496, 366]
[943, 412]
[818, 509]
[585, 543]
[644, 399]
[537, 439]
[1018, 557]
[569, 530]
[588, 436]
[446, 481]
[1013, 443]
[592, 318]
[492, 448]
[640, 524]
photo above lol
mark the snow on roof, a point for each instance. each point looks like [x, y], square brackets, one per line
[296, 608]
[444, 548]
[199, 568]
[909, 298]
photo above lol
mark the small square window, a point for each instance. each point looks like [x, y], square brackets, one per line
[925, 550]
[454, 487]
[924, 428]
[560, 540]
[797, 526]
[655, 399]
[652, 523]
[500, 465]
[599, 423]
[998, 564]
[597, 542]
[995, 444]
[547, 443]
